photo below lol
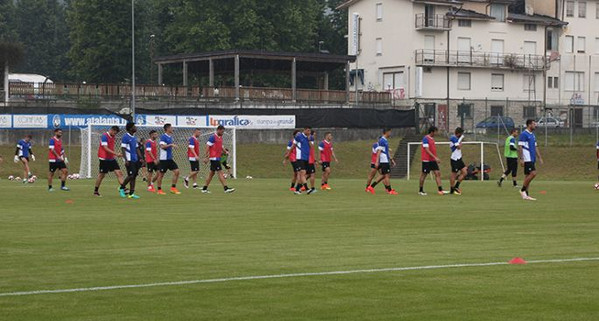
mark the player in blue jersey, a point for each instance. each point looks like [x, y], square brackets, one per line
[528, 154]
[132, 156]
[167, 163]
[384, 161]
[370, 185]
[301, 143]
[458, 168]
[24, 154]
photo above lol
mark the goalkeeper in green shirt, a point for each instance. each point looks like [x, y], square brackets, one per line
[223, 159]
[511, 154]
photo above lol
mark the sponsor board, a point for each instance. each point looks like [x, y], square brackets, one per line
[191, 121]
[58, 121]
[5, 121]
[252, 122]
[30, 121]
[160, 120]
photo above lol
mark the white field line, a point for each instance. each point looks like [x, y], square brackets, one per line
[281, 276]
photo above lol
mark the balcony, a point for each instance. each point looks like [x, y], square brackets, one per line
[488, 60]
[436, 22]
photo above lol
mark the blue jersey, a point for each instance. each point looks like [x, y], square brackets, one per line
[302, 147]
[454, 143]
[383, 146]
[24, 148]
[528, 142]
[129, 143]
[166, 154]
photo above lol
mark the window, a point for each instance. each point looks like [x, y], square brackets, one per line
[529, 112]
[498, 12]
[464, 23]
[393, 80]
[582, 44]
[553, 82]
[463, 81]
[552, 41]
[379, 12]
[529, 83]
[379, 46]
[574, 81]
[549, 82]
[530, 27]
[569, 44]
[569, 8]
[497, 82]
[465, 110]
[582, 10]
[596, 80]
[496, 111]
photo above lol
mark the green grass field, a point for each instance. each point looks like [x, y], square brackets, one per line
[71, 240]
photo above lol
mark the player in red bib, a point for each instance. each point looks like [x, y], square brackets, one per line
[193, 153]
[214, 150]
[58, 161]
[430, 161]
[327, 154]
[107, 153]
[373, 169]
[290, 155]
[151, 155]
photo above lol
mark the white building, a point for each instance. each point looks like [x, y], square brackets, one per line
[474, 57]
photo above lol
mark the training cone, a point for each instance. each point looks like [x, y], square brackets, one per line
[517, 260]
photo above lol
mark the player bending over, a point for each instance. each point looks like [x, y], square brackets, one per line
[430, 161]
[214, 149]
[107, 154]
[132, 159]
[224, 158]
[290, 155]
[327, 154]
[301, 144]
[193, 153]
[511, 155]
[58, 161]
[528, 154]
[151, 153]
[23, 154]
[458, 168]
[167, 163]
[383, 160]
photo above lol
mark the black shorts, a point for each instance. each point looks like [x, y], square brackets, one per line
[385, 168]
[225, 165]
[25, 158]
[310, 169]
[57, 166]
[456, 165]
[428, 167]
[373, 166]
[141, 164]
[512, 166]
[215, 166]
[301, 165]
[529, 167]
[133, 168]
[294, 166]
[107, 166]
[195, 166]
[325, 165]
[152, 167]
[167, 165]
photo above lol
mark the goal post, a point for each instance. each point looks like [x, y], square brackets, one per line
[478, 146]
[91, 135]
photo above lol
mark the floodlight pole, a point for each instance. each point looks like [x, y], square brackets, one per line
[133, 60]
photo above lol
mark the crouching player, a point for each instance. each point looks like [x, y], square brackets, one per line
[132, 157]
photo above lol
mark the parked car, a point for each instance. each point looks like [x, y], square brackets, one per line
[496, 122]
[551, 122]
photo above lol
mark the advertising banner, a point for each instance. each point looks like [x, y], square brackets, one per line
[5, 121]
[30, 121]
[252, 122]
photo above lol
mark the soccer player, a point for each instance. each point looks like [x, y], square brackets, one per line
[107, 154]
[373, 170]
[132, 157]
[430, 161]
[383, 160]
[58, 161]
[151, 154]
[597, 161]
[458, 168]
[528, 154]
[511, 155]
[311, 168]
[214, 149]
[290, 155]
[327, 154]
[22, 154]
[167, 163]
[193, 153]
[301, 144]
[224, 158]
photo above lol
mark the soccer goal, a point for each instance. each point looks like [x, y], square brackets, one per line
[90, 141]
[473, 153]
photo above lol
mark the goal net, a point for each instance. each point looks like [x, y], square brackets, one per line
[473, 153]
[90, 141]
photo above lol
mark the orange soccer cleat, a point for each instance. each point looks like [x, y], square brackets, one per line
[303, 189]
[151, 189]
[175, 191]
[160, 192]
[392, 192]
[370, 190]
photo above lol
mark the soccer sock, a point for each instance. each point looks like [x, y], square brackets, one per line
[123, 186]
[515, 183]
[174, 186]
[292, 185]
[306, 186]
[388, 187]
[205, 188]
[62, 183]
[374, 184]
[440, 188]
[226, 187]
[421, 189]
[49, 186]
[96, 189]
[131, 192]
[298, 187]
[457, 185]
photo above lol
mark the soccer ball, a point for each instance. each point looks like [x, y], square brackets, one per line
[76, 176]
[11, 178]
[70, 177]
[597, 186]
[31, 180]
[17, 178]
[34, 177]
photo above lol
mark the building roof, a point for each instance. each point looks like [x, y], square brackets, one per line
[468, 14]
[256, 54]
[535, 19]
[29, 78]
